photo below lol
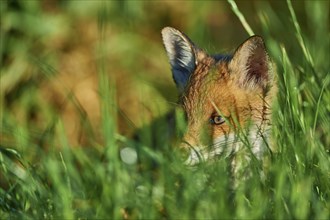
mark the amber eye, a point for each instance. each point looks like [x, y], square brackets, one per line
[216, 120]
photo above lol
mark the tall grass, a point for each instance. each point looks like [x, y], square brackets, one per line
[43, 175]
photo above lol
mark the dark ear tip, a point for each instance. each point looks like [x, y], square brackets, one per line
[257, 39]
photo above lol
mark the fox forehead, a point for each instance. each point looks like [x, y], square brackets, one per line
[207, 86]
[211, 90]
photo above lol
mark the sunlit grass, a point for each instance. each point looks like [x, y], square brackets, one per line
[44, 175]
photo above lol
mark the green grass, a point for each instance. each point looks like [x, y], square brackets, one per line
[43, 174]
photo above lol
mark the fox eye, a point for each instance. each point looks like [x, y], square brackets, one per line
[216, 120]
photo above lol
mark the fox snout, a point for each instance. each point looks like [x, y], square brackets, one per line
[191, 150]
[203, 147]
[222, 96]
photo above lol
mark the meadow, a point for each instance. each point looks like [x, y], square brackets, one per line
[80, 80]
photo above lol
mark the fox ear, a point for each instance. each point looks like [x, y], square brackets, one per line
[250, 65]
[182, 55]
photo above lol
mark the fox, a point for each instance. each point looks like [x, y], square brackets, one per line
[226, 98]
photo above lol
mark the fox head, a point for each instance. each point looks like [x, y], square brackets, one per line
[221, 95]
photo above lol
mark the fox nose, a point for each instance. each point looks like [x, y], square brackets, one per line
[190, 155]
[184, 150]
